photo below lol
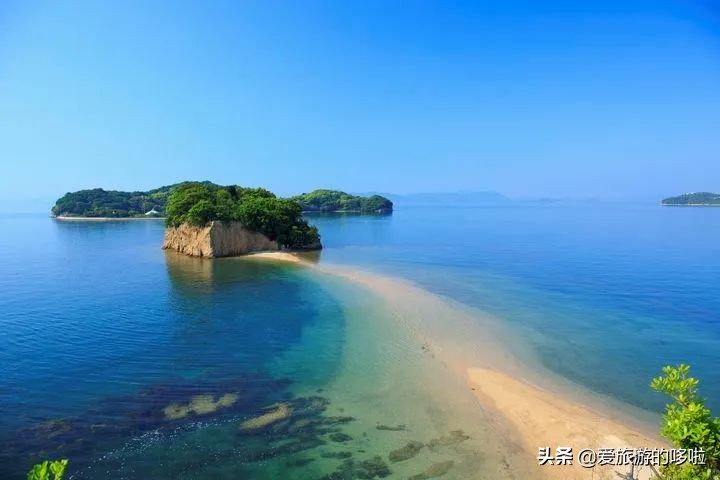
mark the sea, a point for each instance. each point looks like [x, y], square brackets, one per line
[136, 363]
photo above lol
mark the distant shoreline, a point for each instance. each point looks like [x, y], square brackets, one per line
[690, 204]
[103, 219]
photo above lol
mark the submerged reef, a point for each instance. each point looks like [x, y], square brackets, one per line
[349, 469]
[453, 438]
[199, 405]
[279, 412]
[209, 427]
[406, 452]
[434, 471]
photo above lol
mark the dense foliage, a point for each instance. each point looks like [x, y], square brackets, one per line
[111, 203]
[688, 424]
[258, 209]
[700, 198]
[335, 201]
[48, 470]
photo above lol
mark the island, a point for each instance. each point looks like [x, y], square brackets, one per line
[204, 219]
[337, 201]
[696, 199]
[208, 220]
[99, 203]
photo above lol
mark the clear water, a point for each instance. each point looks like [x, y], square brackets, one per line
[605, 295]
[101, 330]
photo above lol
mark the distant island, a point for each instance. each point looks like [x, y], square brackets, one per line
[336, 201]
[698, 199]
[99, 203]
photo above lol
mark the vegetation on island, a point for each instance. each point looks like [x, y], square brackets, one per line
[689, 425]
[97, 202]
[336, 201]
[279, 219]
[689, 199]
[112, 203]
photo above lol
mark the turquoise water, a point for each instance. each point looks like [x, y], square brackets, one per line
[603, 294]
[101, 331]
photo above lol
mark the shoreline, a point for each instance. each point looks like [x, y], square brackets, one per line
[529, 406]
[104, 219]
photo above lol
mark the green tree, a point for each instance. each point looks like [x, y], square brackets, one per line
[256, 208]
[48, 470]
[688, 424]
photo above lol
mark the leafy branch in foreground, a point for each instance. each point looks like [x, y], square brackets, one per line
[688, 424]
[48, 470]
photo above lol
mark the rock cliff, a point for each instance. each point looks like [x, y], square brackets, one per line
[219, 239]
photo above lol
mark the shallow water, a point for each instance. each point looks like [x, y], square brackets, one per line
[101, 331]
[604, 295]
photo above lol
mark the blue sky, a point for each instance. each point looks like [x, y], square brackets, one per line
[602, 99]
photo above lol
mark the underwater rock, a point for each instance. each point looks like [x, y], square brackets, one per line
[281, 411]
[339, 420]
[434, 471]
[338, 455]
[404, 453]
[311, 405]
[300, 425]
[318, 425]
[390, 428]
[452, 439]
[51, 428]
[340, 437]
[302, 444]
[199, 405]
[372, 468]
[366, 470]
[299, 462]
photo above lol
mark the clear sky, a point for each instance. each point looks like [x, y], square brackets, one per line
[616, 99]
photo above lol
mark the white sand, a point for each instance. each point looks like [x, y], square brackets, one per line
[527, 413]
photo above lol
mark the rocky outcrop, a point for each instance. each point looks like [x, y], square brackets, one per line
[219, 239]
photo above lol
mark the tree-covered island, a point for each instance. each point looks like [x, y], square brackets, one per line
[699, 199]
[201, 204]
[96, 202]
[259, 210]
[336, 201]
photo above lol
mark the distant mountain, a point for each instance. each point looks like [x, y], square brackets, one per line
[699, 199]
[473, 198]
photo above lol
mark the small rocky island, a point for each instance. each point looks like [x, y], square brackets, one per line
[208, 220]
[695, 199]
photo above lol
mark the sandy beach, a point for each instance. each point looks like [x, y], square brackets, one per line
[526, 408]
[544, 419]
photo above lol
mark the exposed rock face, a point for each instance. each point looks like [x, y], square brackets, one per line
[219, 239]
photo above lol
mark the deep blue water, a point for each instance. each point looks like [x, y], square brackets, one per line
[101, 329]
